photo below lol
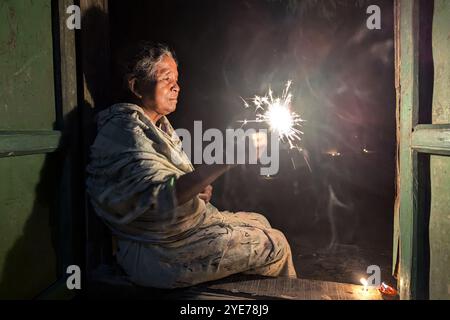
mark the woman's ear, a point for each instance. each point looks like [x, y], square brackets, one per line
[132, 86]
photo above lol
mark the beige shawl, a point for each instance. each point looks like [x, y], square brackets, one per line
[131, 176]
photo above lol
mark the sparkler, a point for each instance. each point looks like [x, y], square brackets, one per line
[276, 112]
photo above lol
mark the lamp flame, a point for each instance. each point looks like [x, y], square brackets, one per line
[364, 283]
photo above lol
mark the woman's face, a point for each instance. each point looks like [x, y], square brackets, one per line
[166, 89]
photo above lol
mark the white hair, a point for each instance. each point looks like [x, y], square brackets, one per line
[144, 62]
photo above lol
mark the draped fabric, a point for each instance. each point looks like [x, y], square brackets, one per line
[131, 176]
[131, 185]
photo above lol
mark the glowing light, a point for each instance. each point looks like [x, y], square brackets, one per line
[276, 112]
[280, 119]
[387, 290]
[367, 151]
[364, 283]
[333, 153]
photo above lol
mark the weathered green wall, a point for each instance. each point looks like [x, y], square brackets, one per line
[440, 165]
[27, 262]
[27, 258]
[26, 78]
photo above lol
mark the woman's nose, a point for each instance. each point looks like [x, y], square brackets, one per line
[176, 87]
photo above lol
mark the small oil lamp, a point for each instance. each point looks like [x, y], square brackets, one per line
[387, 291]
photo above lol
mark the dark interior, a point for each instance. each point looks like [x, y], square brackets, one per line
[335, 200]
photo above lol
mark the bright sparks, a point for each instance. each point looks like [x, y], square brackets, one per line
[276, 112]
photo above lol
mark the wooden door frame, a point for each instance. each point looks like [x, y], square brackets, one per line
[74, 65]
[413, 139]
[94, 69]
[70, 232]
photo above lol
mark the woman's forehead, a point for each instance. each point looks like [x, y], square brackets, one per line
[167, 65]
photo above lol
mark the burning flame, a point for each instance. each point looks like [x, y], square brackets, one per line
[364, 283]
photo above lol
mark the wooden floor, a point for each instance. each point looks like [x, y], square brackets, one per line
[284, 288]
[236, 287]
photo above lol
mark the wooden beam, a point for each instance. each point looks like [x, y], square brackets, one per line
[431, 139]
[95, 96]
[68, 60]
[407, 16]
[396, 233]
[17, 143]
[70, 234]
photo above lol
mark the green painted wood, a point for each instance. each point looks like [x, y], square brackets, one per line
[28, 181]
[16, 143]
[441, 55]
[27, 256]
[432, 139]
[440, 228]
[408, 16]
[26, 63]
[439, 165]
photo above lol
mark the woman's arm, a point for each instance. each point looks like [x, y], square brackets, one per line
[191, 184]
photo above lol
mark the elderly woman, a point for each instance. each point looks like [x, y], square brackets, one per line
[146, 190]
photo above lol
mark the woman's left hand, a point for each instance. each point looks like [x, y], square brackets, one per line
[206, 194]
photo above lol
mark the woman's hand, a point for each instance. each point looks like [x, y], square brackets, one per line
[192, 184]
[206, 194]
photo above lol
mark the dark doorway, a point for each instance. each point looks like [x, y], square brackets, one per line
[334, 201]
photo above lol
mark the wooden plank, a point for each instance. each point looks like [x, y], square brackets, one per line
[440, 166]
[109, 283]
[432, 139]
[65, 61]
[68, 231]
[291, 289]
[408, 15]
[396, 233]
[16, 143]
[439, 226]
[95, 95]
[441, 59]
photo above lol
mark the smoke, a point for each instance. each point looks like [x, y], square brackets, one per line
[333, 204]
